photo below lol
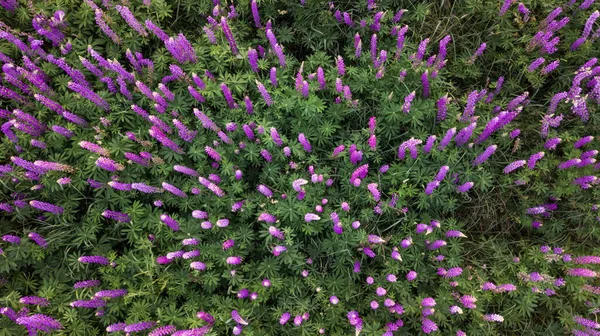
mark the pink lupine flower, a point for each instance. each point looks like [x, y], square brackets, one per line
[278, 250]
[304, 141]
[582, 272]
[212, 153]
[266, 155]
[428, 326]
[493, 318]
[263, 189]
[411, 276]
[234, 260]
[275, 232]
[198, 265]
[372, 187]
[108, 164]
[373, 239]
[229, 243]
[586, 322]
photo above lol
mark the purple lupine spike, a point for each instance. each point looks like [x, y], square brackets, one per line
[266, 155]
[228, 96]
[515, 102]
[185, 170]
[108, 164]
[425, 83]
[263, 189]
[464, 135]
[357, 46]
[48, 207]
[229, 35]
[86, 284]
[442, 107]
[137, 327]
[94, 260]
[446, 139]
[173, 190]
[589, 24]
[253, 59]
[38, 239]
[583, 141]
[170, 222]
[421, 49]
[37, 322]
[237, 318]
[373, 47]
[304, 142]
[110, 293]
[255, 14]
[407, 102]
[569, 163]
[535, 64]
[131, 20]
[210, 34]
[118, 216]
[484, 155]
[429, 144]
[212, 153]
[442, 173]
[265, 94]
[514, 166]
[431, 186]
[11, 239]
[534, 159]
[305, 89]
[550, 67]
[273, 76]
[465, 187]
[341, 68]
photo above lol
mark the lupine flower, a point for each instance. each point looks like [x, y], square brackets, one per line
[110, 293]
[11, 239]
[407, 102]
[229, 35]
[118, 216]
[411, 276]
[46, 207]
[465, 187]
[372, 187]
[428, 326]
[583, 141]
[535, 64]
[38, 239]
[93, 260]
[234, 260]
[304, 142]
[569, 163]
[513, 166]
[550, 67]
[493, 318]
[86, 284]
[265, 94]
[582, 272]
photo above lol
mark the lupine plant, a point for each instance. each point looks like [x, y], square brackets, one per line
[299, 167]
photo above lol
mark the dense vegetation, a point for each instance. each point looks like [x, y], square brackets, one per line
[299, 168]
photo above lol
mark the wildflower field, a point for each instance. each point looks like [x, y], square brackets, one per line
[299, 167]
